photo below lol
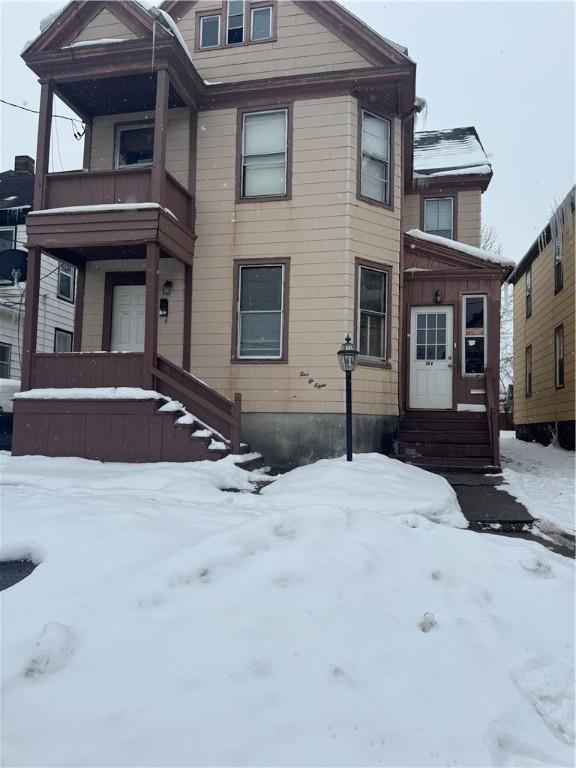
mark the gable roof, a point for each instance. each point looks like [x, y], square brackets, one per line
[455, 250]
[449, 151]
[16, 190]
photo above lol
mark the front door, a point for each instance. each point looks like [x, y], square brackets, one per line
[128, 317]
[431, 330]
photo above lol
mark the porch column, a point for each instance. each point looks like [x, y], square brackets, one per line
[31, 316]
[160, 127]
[151, 323]
[87, 146]
[79, 307]
[187, 333]
[43, 145]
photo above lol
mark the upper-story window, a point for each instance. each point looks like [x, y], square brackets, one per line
[134, 144]
[529, 293]
[5, 360]
[558, 268]
[439, 216]
[210, 31]
[7, 238]
[261, 23]
[235, 22]
[66, 275]
[264, 154]
[375, 158]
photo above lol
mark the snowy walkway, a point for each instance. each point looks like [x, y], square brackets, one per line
[343, 617]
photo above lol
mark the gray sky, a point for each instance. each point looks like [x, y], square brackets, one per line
[505, 67]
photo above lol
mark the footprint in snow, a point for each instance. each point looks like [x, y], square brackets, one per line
[53, 651]
[538, 567]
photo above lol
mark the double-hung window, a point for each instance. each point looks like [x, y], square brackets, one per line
[66, 275]
[559, 356]
[528, 372]
[372, 312]
[375, 160]
[261, 23]
[134, 145]
[235, 22]
[5, 360]
[529, 293]
[264, 154]
[558, 267]
[62, 340]
[260, 310]
[439, 216]
[474, 317]
[210, 31]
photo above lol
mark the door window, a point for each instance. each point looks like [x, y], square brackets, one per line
[431, 336]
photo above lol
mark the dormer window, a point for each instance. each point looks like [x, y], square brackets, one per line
[134, 144]
[235, 22]
[210, 31]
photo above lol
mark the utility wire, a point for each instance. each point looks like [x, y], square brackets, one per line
[36, 112]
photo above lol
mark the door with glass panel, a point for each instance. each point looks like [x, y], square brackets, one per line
[431, 334]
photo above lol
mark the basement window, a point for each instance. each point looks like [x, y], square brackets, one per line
[134, 145]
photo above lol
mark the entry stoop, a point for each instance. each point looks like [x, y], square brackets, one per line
[446, 441]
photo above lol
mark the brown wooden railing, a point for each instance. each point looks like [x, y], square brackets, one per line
[492, 414]
[87, 369]
[201, 400]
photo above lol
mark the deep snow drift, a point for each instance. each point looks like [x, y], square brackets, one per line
[328, 621]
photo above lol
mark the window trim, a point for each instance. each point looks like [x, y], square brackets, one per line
[389, 206]
[226, 21]
[452, 196]
[365, 360]
[64, 332]
[288, 108]
[223, 13]
[528, 380]
[119, 128]
[465, 296]
[254, 7]
[558, 385]
[62, 297]
[528, 293]
[558, 283]
[273, 262]
[200, 16]
[9, 363]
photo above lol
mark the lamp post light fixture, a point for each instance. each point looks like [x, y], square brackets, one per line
[348, 360]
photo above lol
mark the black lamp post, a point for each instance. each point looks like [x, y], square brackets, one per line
[348, 360]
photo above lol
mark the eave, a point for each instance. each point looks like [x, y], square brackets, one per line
[455, 259]
[437, 183]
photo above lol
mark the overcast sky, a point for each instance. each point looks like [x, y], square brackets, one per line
[505, 67]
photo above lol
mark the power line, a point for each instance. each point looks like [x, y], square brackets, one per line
[36, 112]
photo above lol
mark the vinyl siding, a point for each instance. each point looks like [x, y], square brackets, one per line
[549, 310]
[303, 45]
[105, 26]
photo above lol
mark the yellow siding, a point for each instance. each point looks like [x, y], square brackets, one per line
[105, 26]
[411, 213]
[303, 45]
[548, 312]
[468, 214]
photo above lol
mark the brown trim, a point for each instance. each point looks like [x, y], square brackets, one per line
[111, 280]
[192, 154]
[79, 308]
[438, 184]
[151, 318]
[158, 179]
[197, 29]
[455, 203]
[289, 143]
[187, 319]
[528, 381]
[238, 263]
[30, 333]
[364, 360]
[222, 12]
[43, 144]
[177, 8]
[68, 333]
[87, 150]
[389, 206]
[453, 257]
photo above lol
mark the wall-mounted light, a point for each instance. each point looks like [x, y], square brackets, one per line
[167, 288]
[163, 308]
[438, 296]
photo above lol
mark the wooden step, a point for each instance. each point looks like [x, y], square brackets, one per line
[449, 463]
[251, 462]
[445, 415]
[415, 450]
[463, 437]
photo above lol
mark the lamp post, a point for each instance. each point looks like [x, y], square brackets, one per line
[348, 360]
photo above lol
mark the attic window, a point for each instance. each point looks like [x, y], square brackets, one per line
[235, 22]
[134, 144]
[261, 23]
[210, 31]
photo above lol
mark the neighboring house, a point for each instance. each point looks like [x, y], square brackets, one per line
[544, 302]
[56, 307]
[242, 209]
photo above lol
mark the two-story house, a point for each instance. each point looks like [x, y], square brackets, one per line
[253, 190]
[544, 304]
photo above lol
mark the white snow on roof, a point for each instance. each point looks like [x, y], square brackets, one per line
[448, 150]
[102, 41]
[90, 393]
[469, 250]
[476, 170]
[102, 207]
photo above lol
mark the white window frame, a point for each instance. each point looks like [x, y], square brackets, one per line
[68, 334]
[436, 199]
[202, 19]
[463, 331]
[273, 196]
[270, 28]
[239, 313]
[388, 198]
[8, 347]
[243, 41]
[386, 274]
[62, 269]
[120, 129]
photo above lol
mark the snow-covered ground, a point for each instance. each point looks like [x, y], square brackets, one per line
[541, 478]
[344, 617]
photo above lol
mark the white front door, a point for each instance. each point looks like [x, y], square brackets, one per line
[128, 316]
[431, 357]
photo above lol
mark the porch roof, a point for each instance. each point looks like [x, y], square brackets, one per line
[455, 249]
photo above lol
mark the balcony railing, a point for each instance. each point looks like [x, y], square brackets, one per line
[129, 185]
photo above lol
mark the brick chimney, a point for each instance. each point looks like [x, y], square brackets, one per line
[24, 164]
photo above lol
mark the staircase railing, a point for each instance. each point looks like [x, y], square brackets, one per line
[492, 413]
[201, 400]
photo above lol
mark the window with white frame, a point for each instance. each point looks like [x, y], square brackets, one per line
[372, 312]
[375, 162]
[235, 22]
[63, 340]
[210, 31]
[264, 153]
[529, 292]
[5, 360]
[261, 23]
[134, 144]
[558, 268]
[66, 275]
[260, 311]
[7, 238]
[559, 356]
[439, 216]
[474, 335]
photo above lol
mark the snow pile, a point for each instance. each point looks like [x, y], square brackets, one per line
[170, 623]
[541, 478]
[8, 389]
[469, 250]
